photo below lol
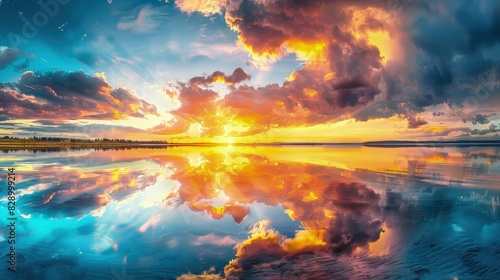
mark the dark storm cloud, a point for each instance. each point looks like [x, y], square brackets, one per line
[453, 36]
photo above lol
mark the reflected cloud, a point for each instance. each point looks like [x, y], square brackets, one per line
[342, 209]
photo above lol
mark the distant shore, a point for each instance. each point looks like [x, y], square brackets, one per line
[456, 143]
[28, 144]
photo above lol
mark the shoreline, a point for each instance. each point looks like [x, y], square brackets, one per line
[32, 145]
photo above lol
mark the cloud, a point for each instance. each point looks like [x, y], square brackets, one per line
[179, 125]
[339, 221]
[206, 7]
[69, 96]
[191, 98]
[490, 129]
[238, 76]
[22, 66]
[352, 226]
[48, 128]
[415, 121]
[353, 92]
[315, 94]
[321, 202]
[361, 59]
[145, 21]
[238, 212]
[77, 193]
[215, 240]
[208, 275]
[482, 119]
[9, 55]
[341, 217]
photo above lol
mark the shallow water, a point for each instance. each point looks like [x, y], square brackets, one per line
[319, 212]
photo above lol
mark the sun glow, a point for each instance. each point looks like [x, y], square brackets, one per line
[382, 41]
[378, 37]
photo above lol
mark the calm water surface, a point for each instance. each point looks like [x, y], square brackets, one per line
[322, 212]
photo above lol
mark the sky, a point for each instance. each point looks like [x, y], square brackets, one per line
[250, 70]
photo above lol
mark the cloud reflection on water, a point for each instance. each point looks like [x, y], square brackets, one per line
[357, 207]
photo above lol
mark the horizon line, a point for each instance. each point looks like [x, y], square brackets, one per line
[171, 143]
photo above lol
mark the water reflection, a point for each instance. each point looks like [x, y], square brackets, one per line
[258, 212]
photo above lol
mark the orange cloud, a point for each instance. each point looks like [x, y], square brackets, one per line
[206, 7]
[179, 125]
[342, 71]
[69, 96]
[361, 61]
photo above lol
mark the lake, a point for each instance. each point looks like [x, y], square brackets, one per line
[255, 212]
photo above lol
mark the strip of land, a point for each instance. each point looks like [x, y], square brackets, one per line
[14, 143]
[449, 143]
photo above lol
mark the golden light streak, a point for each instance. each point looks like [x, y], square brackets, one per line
[434, 128]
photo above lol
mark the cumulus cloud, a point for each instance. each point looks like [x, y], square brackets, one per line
[361, 58]
[69, 96]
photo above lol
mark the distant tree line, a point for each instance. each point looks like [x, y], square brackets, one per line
[76, 140]
[60, 149]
